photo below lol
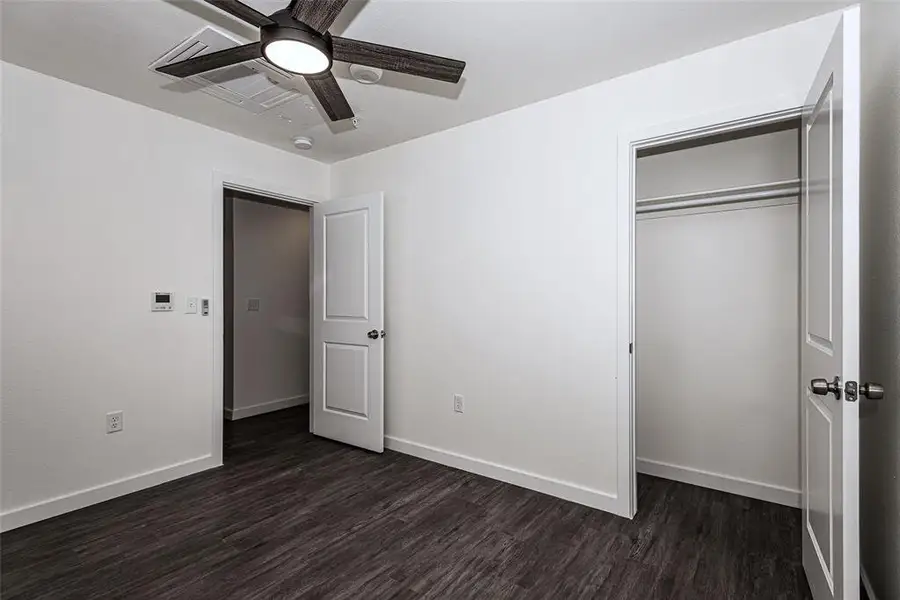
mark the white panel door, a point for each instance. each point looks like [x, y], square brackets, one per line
[348, 321]
[830, 320]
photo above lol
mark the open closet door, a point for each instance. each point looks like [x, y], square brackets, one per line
[829, 355]
[348, 320]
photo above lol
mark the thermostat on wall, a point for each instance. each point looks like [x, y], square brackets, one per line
[161, 301]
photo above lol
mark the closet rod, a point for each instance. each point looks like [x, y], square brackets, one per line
[746, 193]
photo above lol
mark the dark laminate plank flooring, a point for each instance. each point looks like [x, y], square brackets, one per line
[294, 516]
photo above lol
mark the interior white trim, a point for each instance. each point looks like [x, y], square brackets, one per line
[532, 481]
[724, 483]
[734, 119]
[233, 414]
[772, 110]
[32, 513]
[850, 335]
[220, 182]
[867, 583]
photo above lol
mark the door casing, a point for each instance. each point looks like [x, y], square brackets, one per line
[760, 114]
[222, 182]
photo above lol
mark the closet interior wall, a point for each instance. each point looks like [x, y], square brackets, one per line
[267, 362]
[717, 318]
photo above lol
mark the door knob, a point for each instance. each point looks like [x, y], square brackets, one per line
[823, 387]
[872, 391]
[373, 335]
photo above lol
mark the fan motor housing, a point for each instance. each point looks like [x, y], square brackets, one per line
[288, 28]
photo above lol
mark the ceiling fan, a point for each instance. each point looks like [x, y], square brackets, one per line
[296, 39]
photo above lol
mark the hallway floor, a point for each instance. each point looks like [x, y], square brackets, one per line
[291, 515]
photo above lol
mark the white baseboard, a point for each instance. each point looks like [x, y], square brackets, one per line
[233, 414]
[539, 483]
[25, 515]
[724, 483]
[867, 583]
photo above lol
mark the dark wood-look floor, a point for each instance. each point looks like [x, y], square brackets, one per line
[294, 516]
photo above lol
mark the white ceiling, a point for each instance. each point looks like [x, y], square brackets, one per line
[517, 52]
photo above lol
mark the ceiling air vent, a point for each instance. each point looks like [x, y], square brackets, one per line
[254, 85]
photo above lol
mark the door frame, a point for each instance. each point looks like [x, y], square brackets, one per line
[780, 108]
[221, 182]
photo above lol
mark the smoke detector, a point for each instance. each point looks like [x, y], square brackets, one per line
[301, 142]
[365, 75]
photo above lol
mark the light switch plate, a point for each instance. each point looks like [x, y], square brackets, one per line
[253, 304]
[190, 306]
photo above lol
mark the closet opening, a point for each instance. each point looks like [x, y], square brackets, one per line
[266, 248]
[716, 279]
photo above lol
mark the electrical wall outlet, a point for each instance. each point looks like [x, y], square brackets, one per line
[114, 422]
[253, 304]
[190, 306]
[458, 403]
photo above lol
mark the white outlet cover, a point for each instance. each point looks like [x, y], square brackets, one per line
[190, 306]
[115, 421]
[459, 403]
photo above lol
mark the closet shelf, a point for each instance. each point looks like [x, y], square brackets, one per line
[746, 193]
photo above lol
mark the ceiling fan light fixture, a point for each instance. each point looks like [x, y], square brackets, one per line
[297, 57]
[296, 49]
[295, 39]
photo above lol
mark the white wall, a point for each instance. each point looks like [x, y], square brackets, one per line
[716, 350]
[103, 202]
[501, 263]
[880, 299]
[271, 346]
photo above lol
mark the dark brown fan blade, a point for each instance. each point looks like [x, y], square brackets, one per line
[318, 14]
[213, 60]
[397, 59]
[242, 11]
[329, 93]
